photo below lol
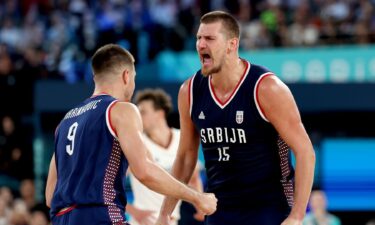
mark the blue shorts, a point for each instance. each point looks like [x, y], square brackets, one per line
[93, 215]
[265, 215]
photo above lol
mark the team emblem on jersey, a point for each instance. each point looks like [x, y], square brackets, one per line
[239, 117]
[201, 116]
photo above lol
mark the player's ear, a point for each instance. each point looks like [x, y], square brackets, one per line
[161, 113]
[125, 76]
[233, 44]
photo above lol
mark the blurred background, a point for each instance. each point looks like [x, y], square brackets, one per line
[323, 49]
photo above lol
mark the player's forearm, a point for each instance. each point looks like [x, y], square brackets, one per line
[168, 206]
[160, 181]
[183, 169]
[305, 164]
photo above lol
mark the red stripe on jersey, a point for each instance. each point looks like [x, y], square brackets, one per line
[66, 210]
[234, 90]
[257, 89]
[190, 81]
[109, 119]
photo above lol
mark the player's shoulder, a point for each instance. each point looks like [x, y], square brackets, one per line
[186, 85]
[126, 105]
[127, 108]
[271, 82]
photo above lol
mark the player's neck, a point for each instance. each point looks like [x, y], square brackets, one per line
[109, 90]
[161, 135]
[229, 76]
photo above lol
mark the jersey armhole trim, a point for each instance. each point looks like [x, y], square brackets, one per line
[191, 94]
[108, 119]
[256, 95]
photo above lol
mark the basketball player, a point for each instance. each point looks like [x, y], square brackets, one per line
[246, 119]
[162, 142]
[95, 143]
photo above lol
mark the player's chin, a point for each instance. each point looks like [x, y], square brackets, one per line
[205, 71]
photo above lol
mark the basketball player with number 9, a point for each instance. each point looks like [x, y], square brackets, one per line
[96, 142]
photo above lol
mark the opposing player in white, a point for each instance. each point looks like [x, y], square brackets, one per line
[162, 142]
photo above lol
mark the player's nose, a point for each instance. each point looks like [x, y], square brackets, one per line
[201, 44]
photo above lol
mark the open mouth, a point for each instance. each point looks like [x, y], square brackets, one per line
[206, 59]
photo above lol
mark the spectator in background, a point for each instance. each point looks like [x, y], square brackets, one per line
[319, 214]
[16, 155]
[19, 213]
[8, 140]
[4, 211]
[38, 218]
[371, 222]
[27, 192]
[302, 31]
[6, 202]
[7, 196]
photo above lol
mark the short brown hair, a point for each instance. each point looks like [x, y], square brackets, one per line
[160, 99]
[230, 24]
[108, 58]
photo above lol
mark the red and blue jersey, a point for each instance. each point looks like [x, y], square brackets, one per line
[89, 160]
[247, 163]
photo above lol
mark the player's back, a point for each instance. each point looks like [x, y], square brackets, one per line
[89, 160]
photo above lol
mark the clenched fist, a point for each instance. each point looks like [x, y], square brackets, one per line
[206, 203]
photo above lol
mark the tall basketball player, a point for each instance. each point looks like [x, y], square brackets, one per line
[246, 119]
[96, 142]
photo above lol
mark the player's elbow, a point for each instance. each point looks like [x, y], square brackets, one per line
[143, 174]
[308, 156]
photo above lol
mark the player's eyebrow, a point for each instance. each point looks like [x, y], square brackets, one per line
[206, 36]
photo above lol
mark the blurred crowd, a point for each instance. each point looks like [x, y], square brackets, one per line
[20, 207]
[55, 38]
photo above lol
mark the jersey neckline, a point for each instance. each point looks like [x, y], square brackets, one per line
[229, 99]
[99, 94]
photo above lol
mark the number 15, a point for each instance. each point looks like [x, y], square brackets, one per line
[223, 154]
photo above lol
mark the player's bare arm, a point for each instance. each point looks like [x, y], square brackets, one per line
[196, 183]
[51, 181]
[127, 122]
[187, 155]
[281, 110]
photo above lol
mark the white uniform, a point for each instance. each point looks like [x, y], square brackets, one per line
[144, 198]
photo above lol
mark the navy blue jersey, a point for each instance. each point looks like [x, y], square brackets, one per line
[89, 160]
[247, 163]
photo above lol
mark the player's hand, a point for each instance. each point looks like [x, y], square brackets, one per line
[291, 221]
[199, 216]
[206, 203]
[144, 217]
[163, 220]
